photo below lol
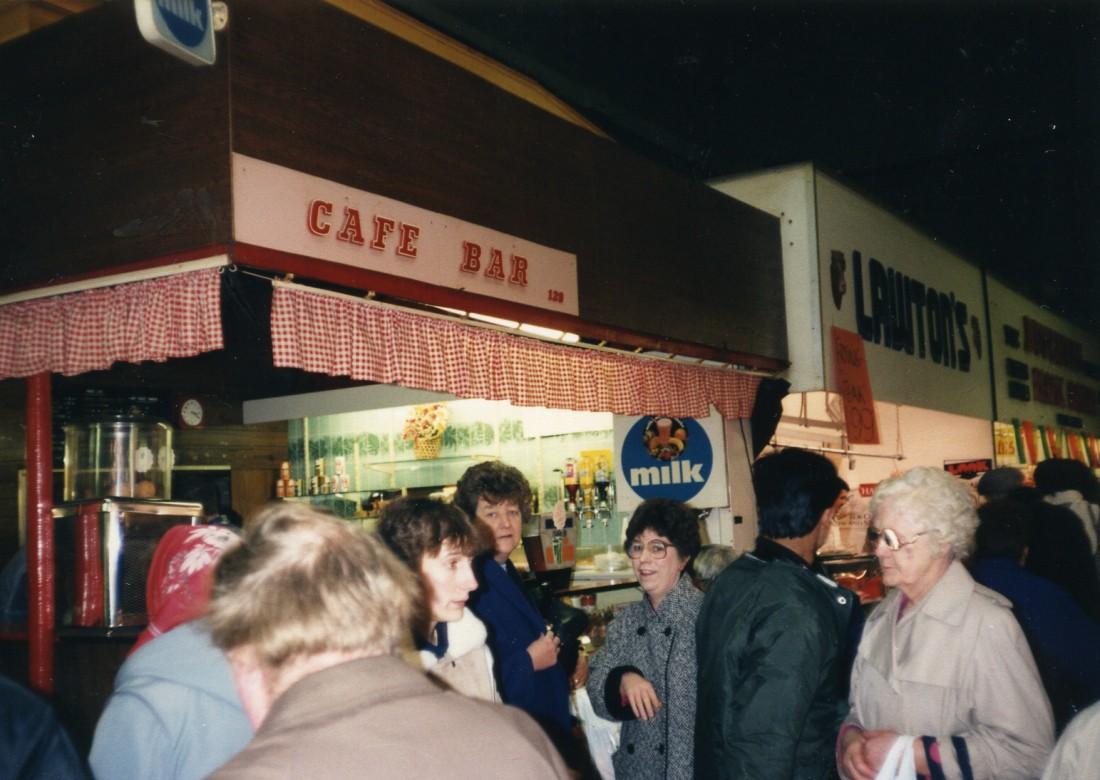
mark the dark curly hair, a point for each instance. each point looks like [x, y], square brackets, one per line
[415, 527]
[495, 482]
[674, 520]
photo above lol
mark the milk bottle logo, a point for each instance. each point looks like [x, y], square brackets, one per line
[667, 457]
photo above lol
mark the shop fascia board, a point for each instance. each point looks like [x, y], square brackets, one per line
[398, 288]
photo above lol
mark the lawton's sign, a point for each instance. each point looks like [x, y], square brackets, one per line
[290, 211]
[904, 313]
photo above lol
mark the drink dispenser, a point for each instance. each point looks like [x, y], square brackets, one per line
[118, 477]
[121, 457]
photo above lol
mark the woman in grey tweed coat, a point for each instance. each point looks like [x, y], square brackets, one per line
[644, 675]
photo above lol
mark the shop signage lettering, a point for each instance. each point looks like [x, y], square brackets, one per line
[968, 469]
[666, 457]
[1051, 345]
[290, 211]
[351, 229]
[404, 244]
[902, 313]
[1047, 387]
[676, 473]
[1082, 398]
[854, 383]
[183, 28]
[494, 269]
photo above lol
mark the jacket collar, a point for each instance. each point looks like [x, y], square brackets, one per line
[673, 601]
[769, 550]
[949, 598]
[352, 685]
[503, 581]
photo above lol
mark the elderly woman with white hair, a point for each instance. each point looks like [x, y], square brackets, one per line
[944, 684]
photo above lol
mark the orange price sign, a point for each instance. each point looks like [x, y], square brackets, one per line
[854, 384]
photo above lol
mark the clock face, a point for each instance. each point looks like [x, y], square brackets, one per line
[191, 412]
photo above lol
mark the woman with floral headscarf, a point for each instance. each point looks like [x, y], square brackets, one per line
[174, 712]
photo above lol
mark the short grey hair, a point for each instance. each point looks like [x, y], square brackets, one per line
[712, 559]
[938, 501]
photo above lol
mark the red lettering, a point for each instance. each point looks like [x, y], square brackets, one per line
[383, 226]
[352, 229]
[1082, 398]
[495, 269]
[471, 257]
[313, 217]
[1048, 388]
[519, 271]
[1052, 345]
[406, 244]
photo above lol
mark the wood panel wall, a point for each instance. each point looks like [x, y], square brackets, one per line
[111, 151]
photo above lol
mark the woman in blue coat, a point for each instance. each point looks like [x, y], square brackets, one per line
[644, 675]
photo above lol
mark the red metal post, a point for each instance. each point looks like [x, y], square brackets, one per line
[40, 549]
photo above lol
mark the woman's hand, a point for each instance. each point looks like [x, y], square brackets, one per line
[876, 744]
[580, 674]
[637, 691]
[544, 651]
[862, 754]
[853, 760]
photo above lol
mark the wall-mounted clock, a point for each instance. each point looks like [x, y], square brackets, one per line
[192, 413]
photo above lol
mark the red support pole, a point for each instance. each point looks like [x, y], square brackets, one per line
[40, 550]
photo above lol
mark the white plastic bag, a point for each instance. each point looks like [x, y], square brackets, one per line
[900, 763]
[602, 735]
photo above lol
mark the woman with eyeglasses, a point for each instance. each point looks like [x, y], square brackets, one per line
[644, 675]
[944, 677]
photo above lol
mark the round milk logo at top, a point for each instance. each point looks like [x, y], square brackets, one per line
[667, 457]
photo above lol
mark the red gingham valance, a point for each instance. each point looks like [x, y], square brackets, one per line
[345, 337]
[156, 319]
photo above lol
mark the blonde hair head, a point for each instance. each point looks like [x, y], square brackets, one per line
[301, 582]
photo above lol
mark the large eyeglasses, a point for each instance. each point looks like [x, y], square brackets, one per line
[890, 538]
[657, 549]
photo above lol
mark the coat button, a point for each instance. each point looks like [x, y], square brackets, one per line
[661, 749]
[630, 749]
[668, 631]
[641, 630]
[842, 600]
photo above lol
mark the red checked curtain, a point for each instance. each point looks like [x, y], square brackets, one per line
[156, 319]
[365, 341]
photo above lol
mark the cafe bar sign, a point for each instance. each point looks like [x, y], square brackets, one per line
[290, 211]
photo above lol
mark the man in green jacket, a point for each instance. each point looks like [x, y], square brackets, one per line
[771, 637]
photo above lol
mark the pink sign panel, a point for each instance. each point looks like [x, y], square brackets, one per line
[290, 211]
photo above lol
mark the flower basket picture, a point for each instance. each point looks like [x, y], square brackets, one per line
[426, 449]
[424, 428]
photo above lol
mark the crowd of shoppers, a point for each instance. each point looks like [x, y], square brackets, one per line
[309, 647]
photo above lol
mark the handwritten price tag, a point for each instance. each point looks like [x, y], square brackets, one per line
[854, 384]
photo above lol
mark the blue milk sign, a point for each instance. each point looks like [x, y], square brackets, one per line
[184, 28]
[669, 457]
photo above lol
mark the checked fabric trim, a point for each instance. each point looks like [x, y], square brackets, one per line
[156, 319]
[342, 337]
